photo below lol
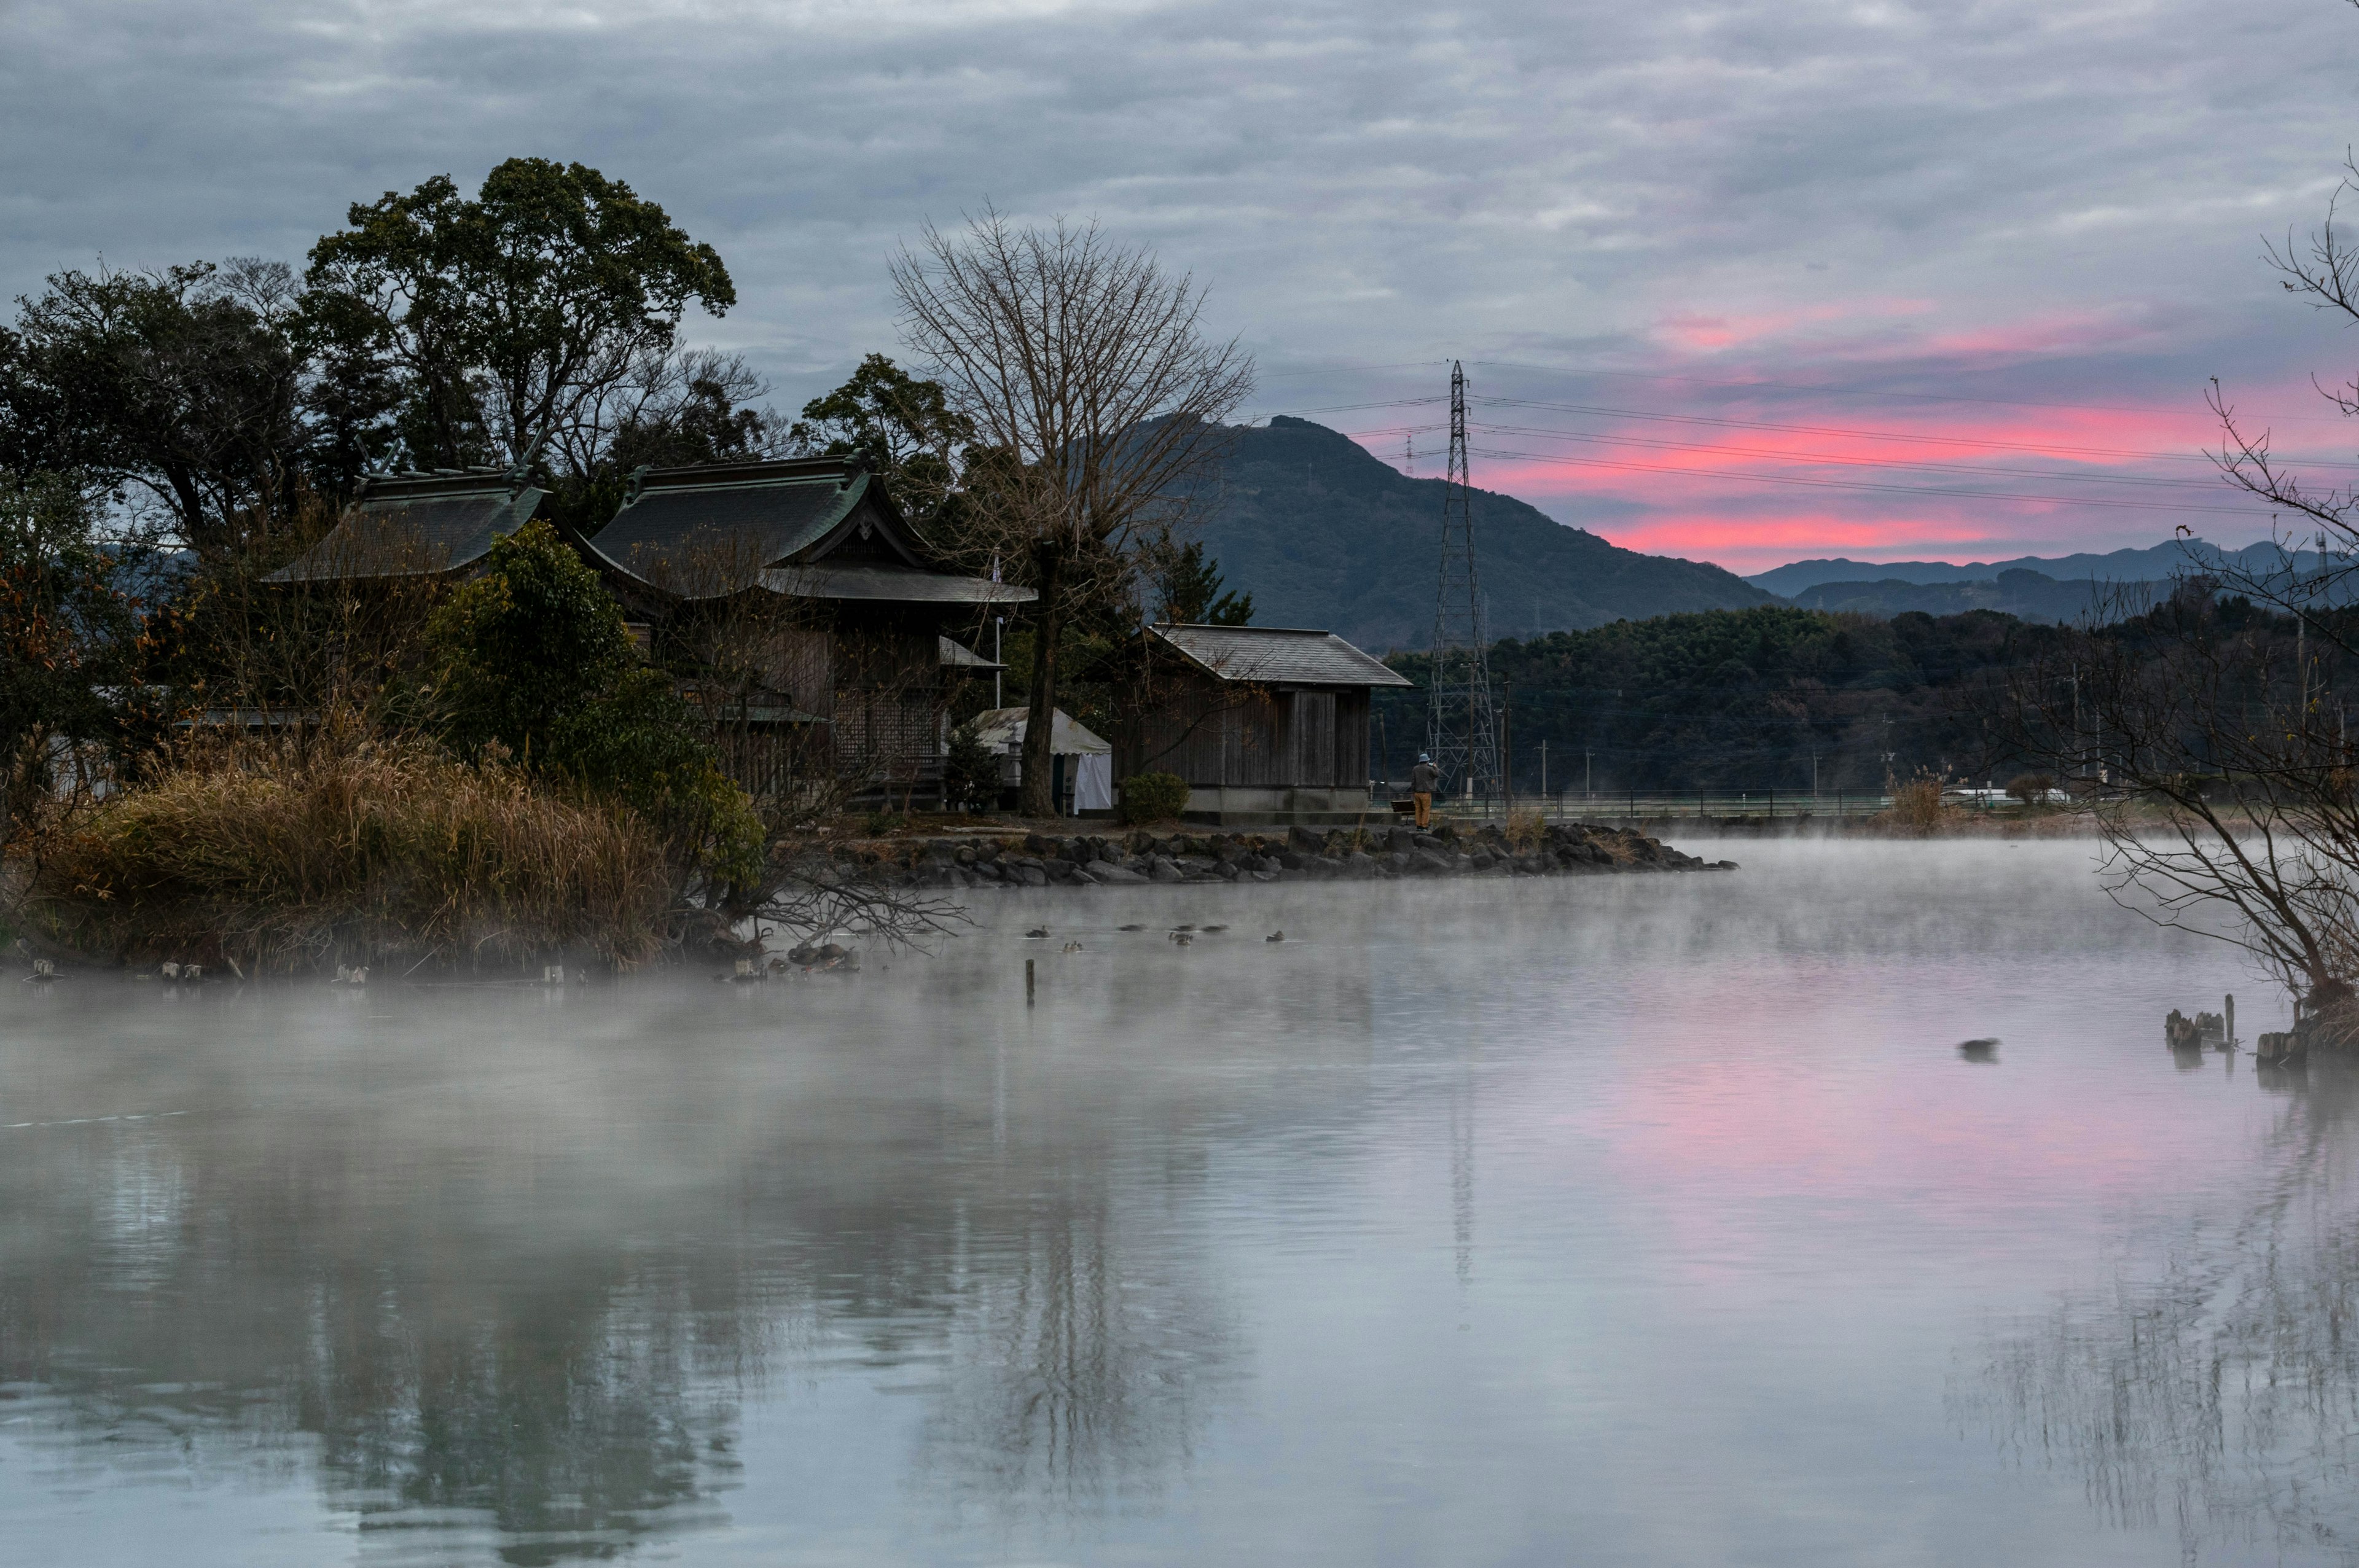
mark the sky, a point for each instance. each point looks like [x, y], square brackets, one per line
[1745, 282]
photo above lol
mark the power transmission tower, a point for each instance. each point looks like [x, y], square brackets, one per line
[1461, 728]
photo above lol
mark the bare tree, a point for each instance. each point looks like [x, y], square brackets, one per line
[2206, 733]
[2205, 738]
[1096, 402]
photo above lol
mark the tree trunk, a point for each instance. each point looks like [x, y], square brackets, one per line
[1035, 795]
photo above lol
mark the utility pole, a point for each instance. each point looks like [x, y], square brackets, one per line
[2080, 759]
[1461, 730]
[1544, 795]
[1588, 775]
[1506, 752]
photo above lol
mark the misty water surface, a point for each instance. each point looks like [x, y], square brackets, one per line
[1646, 1219]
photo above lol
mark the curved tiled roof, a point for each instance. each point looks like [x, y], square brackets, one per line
[704, 532]
[416, 524]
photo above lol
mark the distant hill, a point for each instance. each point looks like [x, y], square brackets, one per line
[2155, 564]
[2027, 595]
[1323, 534]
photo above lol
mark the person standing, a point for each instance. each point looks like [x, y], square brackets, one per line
[1423, 780]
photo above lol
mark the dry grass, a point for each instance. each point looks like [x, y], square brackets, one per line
[276, 860]
[1524, 830]
[1917, 808]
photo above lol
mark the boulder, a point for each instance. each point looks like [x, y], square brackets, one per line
[1114, 875]
[1428, 862]
[1359, 866]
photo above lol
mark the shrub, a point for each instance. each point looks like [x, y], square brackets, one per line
[517, 649]
[1917, 805]
[2031, 789]
[281, 859]
[1153, 797]
[970, 770]
[533, 656]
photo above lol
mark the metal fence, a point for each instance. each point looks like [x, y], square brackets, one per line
[1644, 806]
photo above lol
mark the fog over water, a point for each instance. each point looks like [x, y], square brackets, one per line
[1638, 1219]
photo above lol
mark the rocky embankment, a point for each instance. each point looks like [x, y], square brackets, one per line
[1297, 855]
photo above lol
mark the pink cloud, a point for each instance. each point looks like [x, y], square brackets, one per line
[1748, 497]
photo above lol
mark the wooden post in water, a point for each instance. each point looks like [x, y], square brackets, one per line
[1027, 982]
[2231, 1019]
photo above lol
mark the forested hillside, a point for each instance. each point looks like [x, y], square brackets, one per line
[1322, 534]
[1740, 700]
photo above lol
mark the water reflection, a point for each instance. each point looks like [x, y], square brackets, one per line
[1629, 1220]
[2214, 1390]
[529, 1305]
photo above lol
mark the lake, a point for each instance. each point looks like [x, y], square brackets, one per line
[1638, 1219]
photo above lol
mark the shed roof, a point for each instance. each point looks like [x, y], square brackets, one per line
[1277, 655]
[956, 654]
[1002, 730]
[416, 524]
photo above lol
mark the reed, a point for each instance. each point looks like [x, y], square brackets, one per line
[275, 858]
[1917, 808]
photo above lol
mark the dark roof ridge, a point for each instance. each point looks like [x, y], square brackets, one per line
[1217, 626]
[751, 471]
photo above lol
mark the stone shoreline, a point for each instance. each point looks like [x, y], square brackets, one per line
[1296, 855]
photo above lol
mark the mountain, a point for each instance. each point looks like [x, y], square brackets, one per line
[1323, 534]
[2152, 564]
[2016, 592]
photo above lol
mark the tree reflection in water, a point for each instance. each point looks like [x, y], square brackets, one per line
[2220, 1392]
[494, 1314]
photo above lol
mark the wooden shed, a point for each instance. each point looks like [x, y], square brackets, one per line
[1265, 723]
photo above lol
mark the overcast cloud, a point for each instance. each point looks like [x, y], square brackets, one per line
[2053, 202]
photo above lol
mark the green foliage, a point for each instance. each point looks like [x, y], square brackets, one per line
[504, 313]
[532, 656]
[521, 646]
[1188, 586]
[970, 770]
[1739, 700]
[68, 618]
[904, 426]
[181, 385]
[1153, 797]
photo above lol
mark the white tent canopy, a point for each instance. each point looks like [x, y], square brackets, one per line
[1002, 730]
